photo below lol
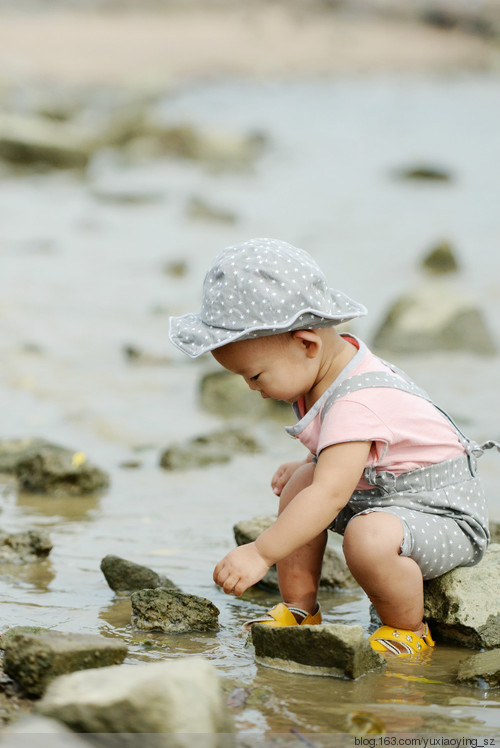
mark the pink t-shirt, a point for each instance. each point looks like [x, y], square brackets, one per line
[407, 431]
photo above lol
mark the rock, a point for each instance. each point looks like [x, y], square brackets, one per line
[436, 316]
[127, 195]
[24, 547]
[334, 572]
[440, 259]
[32, 724]
[34, 660]
[12, 451]
[10, 633]
[31, 140]
[41, 466]
[171, 611]
[495, 531]
[125, 577]
[136, 355]
[425, 172]
[226, 394]
[222, 151]
[327, 649]
[476, 18]
[219, 446]
[482, 670]
[480, 18]
[200, 209]
[460, 606]
[176, 268]
[178, 697]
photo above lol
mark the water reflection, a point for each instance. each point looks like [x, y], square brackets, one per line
[116, 614]
[37, 576]
[70, 508]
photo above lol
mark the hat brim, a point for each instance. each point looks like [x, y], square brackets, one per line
[194, 337]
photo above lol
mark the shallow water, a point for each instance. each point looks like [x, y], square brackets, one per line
[82, 278]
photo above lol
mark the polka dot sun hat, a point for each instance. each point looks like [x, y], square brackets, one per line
[256, 288]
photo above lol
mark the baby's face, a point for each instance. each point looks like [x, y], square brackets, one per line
[277, 365]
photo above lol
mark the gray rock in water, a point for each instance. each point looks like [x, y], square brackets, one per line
[441, 259]
[220, 151]
[12, 451]
[125, 576]
[424, 172]
[226, 394]
[218, 446]
[334, 572]
[24, 547]
[199, 208]
[495, 532]
[172, 612]
[461, 606]
[31, 140]
[327, 649]
[482, 670]
[41, 466]
[177, 698]
[34, 660]
[437, 316]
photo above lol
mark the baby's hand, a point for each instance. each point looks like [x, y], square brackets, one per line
[240, 569]
[283, 475]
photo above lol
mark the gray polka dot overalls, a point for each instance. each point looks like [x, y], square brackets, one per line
[442, 507]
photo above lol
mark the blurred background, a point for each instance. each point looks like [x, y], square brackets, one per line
[138, 139]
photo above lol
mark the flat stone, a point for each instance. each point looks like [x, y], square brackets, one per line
[334, 572]
[171, 611]
[328, 649]
[10, 633]
[177, 697]
[481, 670]
[461, 607]
[34, 660]
[125, 576]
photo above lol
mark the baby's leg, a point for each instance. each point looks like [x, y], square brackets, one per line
[394, 583]
[299, 573]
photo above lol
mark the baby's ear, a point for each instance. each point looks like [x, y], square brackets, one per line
[309, 340]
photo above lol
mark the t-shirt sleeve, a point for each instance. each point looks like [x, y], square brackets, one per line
[351, 421]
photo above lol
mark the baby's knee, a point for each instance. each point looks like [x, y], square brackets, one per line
[373, 535]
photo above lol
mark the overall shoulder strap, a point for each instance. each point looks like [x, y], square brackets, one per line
[405, 384]
[372, 379]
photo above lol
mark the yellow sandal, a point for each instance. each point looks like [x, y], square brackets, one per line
[400, 641]
[282, 615]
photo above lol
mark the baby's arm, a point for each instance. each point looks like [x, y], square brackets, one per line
[285, 472]
[336, 476]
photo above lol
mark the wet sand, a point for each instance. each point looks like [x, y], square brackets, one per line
[155, 47]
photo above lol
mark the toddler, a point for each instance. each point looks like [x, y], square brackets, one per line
[386, 468]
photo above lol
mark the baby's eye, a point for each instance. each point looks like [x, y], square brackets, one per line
[254, 379]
